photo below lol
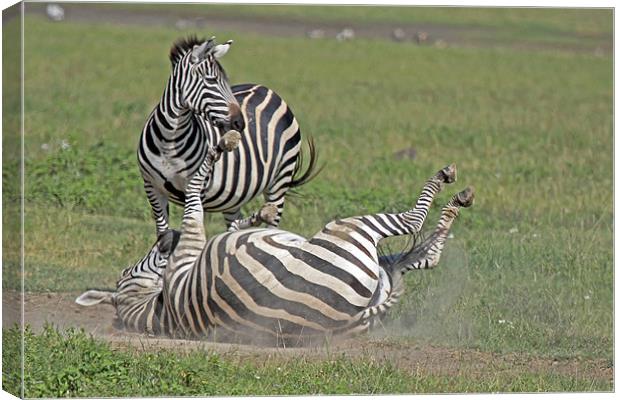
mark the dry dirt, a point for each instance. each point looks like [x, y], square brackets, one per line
[60, 310]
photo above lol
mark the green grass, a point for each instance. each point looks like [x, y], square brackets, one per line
[75, 365]
[531, 131]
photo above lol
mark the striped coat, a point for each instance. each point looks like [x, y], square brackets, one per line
[192, 114]
[274, 285]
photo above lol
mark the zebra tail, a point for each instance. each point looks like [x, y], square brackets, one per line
[311, 171]
[394, 261]
[398, 289]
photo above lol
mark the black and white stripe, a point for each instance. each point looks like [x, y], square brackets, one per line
[197, 106]
[275, 284]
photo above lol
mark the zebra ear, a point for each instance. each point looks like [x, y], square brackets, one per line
[92, 297]
[221, 49]
[199, 52]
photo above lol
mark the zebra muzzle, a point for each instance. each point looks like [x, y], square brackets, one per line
[234, 121]
[229, 141]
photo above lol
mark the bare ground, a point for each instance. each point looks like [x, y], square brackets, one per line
[60, 310]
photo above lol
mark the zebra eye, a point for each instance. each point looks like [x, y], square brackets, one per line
[209, 78]
[162, 260]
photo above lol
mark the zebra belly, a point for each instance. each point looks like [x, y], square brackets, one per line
[264, 281]
[231, 185]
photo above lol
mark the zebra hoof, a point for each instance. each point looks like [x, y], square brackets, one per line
[234, 227]
[268, 214]
[229, 141]
[448, 174]
[465, 198]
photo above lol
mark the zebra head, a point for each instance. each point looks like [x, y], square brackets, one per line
[205, 88]
[138, 283]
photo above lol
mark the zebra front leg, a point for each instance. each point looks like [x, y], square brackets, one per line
[266, 214]
[427, 254]
[193, 236]
[159, 207]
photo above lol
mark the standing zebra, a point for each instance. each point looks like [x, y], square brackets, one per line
[268, 282]
[198, 104]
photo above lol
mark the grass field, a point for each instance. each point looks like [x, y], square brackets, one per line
[530, 267]
[75, 365]
[535, 23]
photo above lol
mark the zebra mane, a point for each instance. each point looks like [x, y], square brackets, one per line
[181, 46]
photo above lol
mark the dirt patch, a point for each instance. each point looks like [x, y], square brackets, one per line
[60, 310]
[433, 34]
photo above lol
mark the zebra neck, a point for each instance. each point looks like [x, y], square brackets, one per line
[172, 117]
[161, 321]
[145, 313]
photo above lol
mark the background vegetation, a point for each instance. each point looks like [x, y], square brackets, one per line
[529, 269]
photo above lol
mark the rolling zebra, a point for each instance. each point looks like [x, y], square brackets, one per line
[273, 284]
[197, 106]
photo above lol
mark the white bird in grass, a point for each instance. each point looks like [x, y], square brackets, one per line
[55, 12]
[346, 34]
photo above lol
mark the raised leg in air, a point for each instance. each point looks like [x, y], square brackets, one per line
[193, 236]
[426, 255]
[414, 218]
[376, 227]
[266, 215]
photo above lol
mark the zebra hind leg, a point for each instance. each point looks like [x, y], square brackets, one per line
[231, 216]
[289, 178]
[270, 213]
[426, 255]
[278, 203]
[414, 218]
[381, 226]
[159, 207]
[267, 215]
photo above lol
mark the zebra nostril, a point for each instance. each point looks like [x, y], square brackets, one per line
[238, 124]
